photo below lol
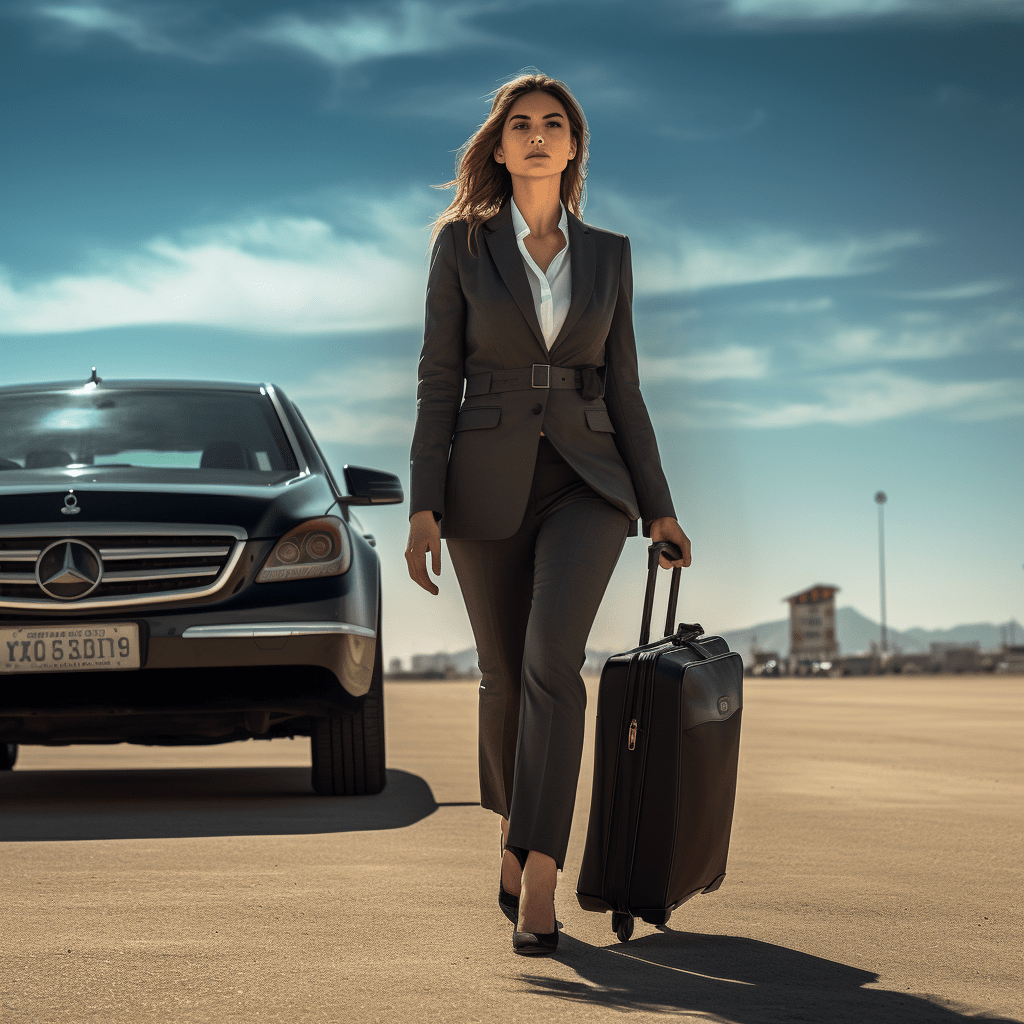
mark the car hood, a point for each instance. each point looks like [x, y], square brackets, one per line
[140, 496]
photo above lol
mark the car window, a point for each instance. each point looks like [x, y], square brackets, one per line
[320, 452]
[213, 431]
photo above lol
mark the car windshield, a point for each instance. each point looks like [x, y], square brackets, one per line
[160, 429]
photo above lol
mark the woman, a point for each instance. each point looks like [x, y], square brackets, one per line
[537, 476]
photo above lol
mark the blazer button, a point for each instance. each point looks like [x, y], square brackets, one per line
[537, 410]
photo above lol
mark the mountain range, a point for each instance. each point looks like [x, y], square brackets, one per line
[855, 632]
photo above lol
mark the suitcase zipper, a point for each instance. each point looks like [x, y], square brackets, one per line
[622, 823]
[646, 669]
[617, 835]
[636, 711]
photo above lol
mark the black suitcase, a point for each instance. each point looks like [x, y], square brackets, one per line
[665, 757]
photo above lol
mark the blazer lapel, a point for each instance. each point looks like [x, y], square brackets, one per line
[583, 267]
[504, 249]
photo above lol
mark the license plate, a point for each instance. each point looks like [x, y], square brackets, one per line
[75, 647]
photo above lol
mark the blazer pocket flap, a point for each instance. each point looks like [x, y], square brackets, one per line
[598, 419]
[476, 419]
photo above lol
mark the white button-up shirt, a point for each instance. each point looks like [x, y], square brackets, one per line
[552, 290]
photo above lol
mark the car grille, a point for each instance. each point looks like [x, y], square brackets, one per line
[140, 564]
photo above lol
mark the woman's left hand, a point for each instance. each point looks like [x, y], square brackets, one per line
[666, 528]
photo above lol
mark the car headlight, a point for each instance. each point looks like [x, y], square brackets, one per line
[317, 547]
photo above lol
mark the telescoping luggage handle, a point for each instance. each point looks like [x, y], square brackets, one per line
[673, 553]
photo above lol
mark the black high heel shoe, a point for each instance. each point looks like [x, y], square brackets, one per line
[533, 943]
[507, 903]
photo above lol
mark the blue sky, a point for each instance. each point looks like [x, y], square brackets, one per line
[822, 197]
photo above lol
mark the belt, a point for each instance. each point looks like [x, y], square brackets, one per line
[585, 379]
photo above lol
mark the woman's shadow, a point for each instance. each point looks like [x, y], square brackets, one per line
[732, 979]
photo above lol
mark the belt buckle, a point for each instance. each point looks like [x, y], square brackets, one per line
[547, 375]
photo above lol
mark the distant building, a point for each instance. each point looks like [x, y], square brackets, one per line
[812, 624]
[956, 657]
[434, 665]
[1012, 658]
[763, 663]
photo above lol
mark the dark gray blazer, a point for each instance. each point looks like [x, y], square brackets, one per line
[472, 460]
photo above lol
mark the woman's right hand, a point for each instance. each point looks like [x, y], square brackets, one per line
[424, 536]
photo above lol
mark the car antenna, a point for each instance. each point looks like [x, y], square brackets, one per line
[94, 379]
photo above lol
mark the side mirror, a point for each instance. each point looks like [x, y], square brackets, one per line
[372, 487]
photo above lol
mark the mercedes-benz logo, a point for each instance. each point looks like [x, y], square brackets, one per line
[70, 504]
[69, 570]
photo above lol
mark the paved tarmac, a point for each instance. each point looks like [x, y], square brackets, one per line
[874, 877]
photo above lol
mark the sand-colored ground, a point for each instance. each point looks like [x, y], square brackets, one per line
[875, 877]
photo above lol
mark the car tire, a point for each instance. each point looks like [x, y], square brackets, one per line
[8, 755]
[348, 752]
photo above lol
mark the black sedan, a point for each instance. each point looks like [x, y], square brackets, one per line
[179, 566]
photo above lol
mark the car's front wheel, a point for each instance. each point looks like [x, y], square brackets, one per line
[348, 753]
[8, 755]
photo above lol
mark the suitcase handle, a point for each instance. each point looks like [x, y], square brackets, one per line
[673, 553]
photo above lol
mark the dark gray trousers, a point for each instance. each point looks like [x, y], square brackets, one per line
[532, 599]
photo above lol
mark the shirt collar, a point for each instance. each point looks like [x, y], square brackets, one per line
[522, 229]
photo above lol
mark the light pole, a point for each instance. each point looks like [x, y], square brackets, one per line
[880, 500]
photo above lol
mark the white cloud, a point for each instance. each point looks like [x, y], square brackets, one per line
[128, 28]
[917, 335]
[973, 290]
[870, 344]
[297, 275]
[357, 405]
[862, 398]
[374, 379]
[338, 424]
[673, 257]
[735, 362]
[408, 27]
[692, 261]
[826, 9]
[363, 266]
[348, 38]
[793, 306]
[148, 29]
[413, 26]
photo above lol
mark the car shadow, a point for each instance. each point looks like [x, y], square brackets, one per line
[729, 978]
[175, 803]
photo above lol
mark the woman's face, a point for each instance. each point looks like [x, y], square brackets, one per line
[536, 140]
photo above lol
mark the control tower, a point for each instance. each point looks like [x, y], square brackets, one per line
[812, 624]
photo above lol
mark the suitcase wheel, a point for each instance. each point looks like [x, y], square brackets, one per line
[622, 925]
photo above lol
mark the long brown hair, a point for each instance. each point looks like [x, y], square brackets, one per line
[482, 184]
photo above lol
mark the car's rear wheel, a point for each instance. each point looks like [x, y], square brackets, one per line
[8, 755]
[348, 753]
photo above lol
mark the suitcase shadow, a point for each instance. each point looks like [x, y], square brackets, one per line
[40, 806]
[737, 980]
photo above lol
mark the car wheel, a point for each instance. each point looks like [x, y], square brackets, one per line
[8, 755]
[348, 753]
